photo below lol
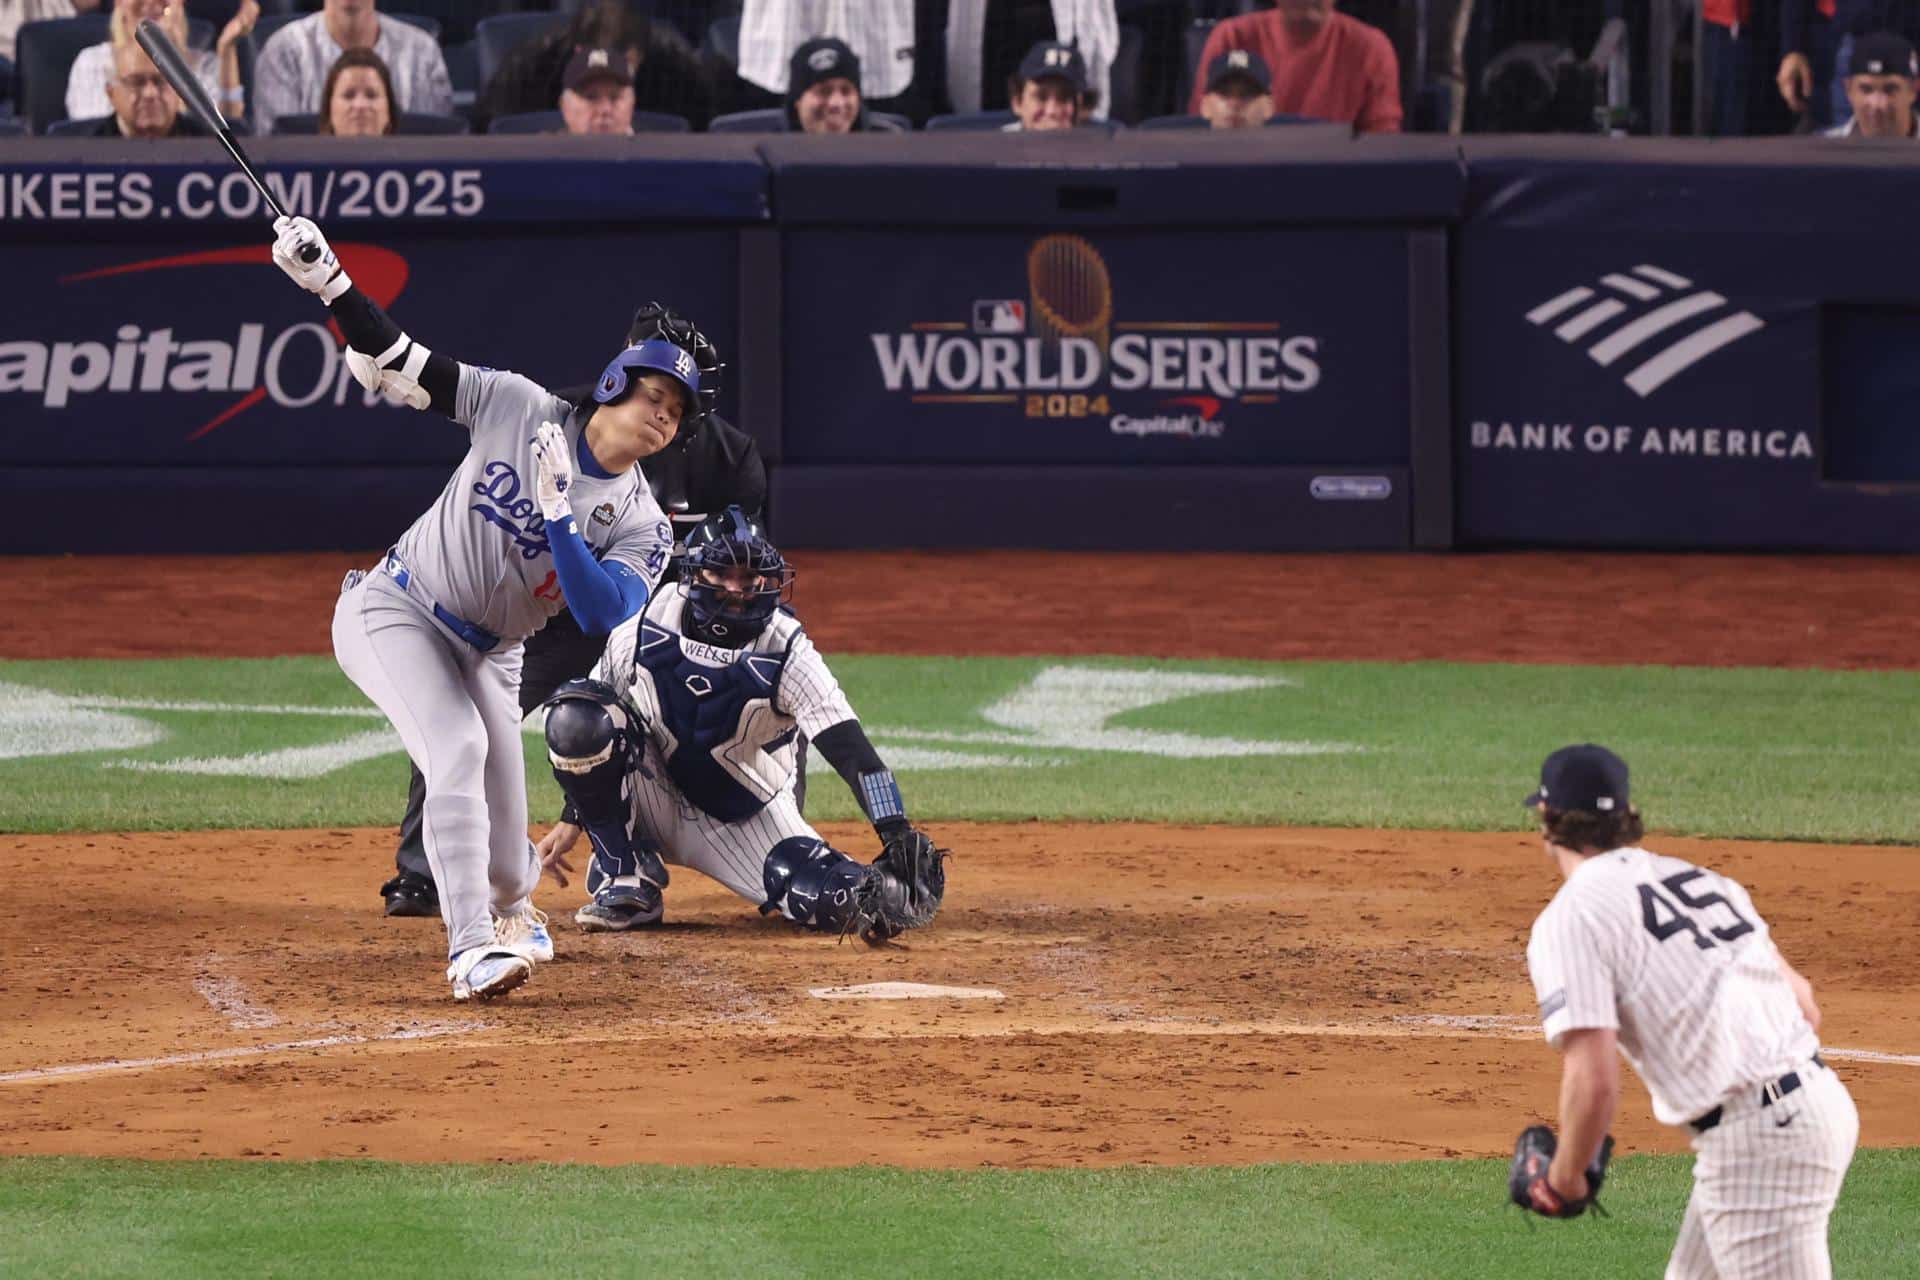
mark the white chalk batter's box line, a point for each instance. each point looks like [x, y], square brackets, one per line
[1430, 1026]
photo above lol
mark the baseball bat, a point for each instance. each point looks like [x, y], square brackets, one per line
[152, 38]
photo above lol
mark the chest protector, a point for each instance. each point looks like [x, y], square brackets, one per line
[717, 725]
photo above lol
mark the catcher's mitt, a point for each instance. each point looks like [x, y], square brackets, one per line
[903, 887]
[1527, 1182]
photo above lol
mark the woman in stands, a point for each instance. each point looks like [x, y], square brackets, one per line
[358, 99]
[218, 70]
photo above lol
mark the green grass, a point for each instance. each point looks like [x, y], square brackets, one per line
[1437, 1219]
[1729, 752]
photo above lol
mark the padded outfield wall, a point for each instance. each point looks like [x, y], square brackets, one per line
[1290, 340]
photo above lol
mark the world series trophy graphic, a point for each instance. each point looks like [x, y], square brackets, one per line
[1072, 294]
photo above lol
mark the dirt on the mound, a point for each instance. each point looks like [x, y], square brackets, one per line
[1165, 995]
[1700, 610]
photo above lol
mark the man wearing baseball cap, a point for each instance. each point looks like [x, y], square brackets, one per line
[1050, 90]
[1324, 65]
[598, 92]
[1881, 80]
[1239, 91]
[823, 88]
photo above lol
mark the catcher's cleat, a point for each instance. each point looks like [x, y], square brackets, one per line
[482, 973]
[408, 894]
[525, 931]
[625, 903]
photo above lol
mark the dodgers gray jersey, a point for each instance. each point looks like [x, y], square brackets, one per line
[724, 720]
[1677, 960]
[480, 551]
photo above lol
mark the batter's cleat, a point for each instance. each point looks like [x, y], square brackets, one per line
[408, 894]
[525, 931]
[482, 973]
[627, 902]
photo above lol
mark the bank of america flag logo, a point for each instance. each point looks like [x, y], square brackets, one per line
[1649, 316]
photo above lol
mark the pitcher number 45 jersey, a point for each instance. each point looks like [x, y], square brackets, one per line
[724, 721]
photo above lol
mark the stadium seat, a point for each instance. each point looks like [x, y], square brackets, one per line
[774, 120]
[67, 128]
[970, 121]
[463, 73]
[12, 126]
[1175, 122]
[767, 120]
[495, 37]
[43, 53]
[410, 124]
[552, 122]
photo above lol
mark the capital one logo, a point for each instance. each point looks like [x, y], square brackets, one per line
[1651, 322]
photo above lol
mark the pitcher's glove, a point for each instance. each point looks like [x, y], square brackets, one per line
[1527, 1182]
[903, 887]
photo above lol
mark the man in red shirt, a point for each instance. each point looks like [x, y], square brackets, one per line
[1325, 64]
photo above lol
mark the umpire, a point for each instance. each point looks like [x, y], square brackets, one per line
[708, 466]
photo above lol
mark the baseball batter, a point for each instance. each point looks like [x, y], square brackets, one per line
[547, 509]
[1672, 964]
[681, 749]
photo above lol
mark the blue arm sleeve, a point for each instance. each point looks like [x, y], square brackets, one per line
[599, 596]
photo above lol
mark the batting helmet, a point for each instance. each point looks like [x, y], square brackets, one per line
[656, 320]
[655, 355]
[733, 540]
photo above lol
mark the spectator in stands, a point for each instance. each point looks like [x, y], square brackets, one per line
[144, 104]
[598, 97]
[358, 99]
[218, 71]
[1819, 35]
[292, 70]
[1050, 89]
[667, 75]
[1881, 85]
[15, 14]
[1727, 52]
[1325, 65]
[823, 88]
[1239, 91]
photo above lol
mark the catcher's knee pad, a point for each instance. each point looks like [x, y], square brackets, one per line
[591, 736]
[812, 883]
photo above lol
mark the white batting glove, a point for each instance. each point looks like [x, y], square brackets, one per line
[554, 468]
[295, 238]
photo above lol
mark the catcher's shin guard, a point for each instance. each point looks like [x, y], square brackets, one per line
[812, 884]
[590, 743]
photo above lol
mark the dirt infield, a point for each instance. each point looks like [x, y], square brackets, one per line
[1171, 995]
[1163, 994]
[1683, 610]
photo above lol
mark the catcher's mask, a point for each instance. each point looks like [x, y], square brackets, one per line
[655, 320]
[655, 355]
[734, 578]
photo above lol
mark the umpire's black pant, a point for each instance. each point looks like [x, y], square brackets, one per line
[557, 653]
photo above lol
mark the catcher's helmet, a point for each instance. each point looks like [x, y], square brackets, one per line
[655, 320]
[733, 540]
[655, 355]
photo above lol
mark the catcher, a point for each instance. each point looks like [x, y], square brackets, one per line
[680, 748]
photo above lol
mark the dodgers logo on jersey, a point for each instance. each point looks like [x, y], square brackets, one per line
[504, 506]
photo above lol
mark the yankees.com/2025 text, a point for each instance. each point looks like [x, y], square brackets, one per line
[200, 195]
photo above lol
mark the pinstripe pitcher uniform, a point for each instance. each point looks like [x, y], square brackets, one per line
[1675, 959]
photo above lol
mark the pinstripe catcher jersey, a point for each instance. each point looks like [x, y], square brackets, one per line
[724, 720]
[1675, 958]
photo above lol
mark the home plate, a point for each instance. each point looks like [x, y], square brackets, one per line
[903, 991]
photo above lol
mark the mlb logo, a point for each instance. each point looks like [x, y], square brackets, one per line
[1000, 315]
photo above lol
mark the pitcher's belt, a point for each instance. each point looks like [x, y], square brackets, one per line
[1770, 1092]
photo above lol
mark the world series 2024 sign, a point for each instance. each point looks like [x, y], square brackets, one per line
[1158, 346]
